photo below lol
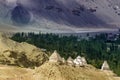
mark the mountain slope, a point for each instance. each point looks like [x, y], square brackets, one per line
[61, 15]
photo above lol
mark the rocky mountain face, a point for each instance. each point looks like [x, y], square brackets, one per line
[60, 15]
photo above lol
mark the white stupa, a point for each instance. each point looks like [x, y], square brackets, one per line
[78, 61]
[105, 66]
[55, 57]
[70, 61]
[83, 60]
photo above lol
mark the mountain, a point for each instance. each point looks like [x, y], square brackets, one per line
[61, 15]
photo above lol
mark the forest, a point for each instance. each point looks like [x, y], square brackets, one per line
[95, 49]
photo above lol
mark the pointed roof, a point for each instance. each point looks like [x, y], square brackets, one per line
[79, 57]
[70, 61]
[105, 66]
[55, 57]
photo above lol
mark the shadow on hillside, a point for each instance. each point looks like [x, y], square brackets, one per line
[70, 13]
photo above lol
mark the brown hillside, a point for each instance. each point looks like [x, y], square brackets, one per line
[21, 54]
[51, 71]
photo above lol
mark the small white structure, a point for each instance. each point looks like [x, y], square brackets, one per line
[78, 62]
[70, 61]
[105, 66]
[55, 57]
[83, 60]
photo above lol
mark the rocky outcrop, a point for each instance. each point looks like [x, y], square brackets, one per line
[20, 15]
